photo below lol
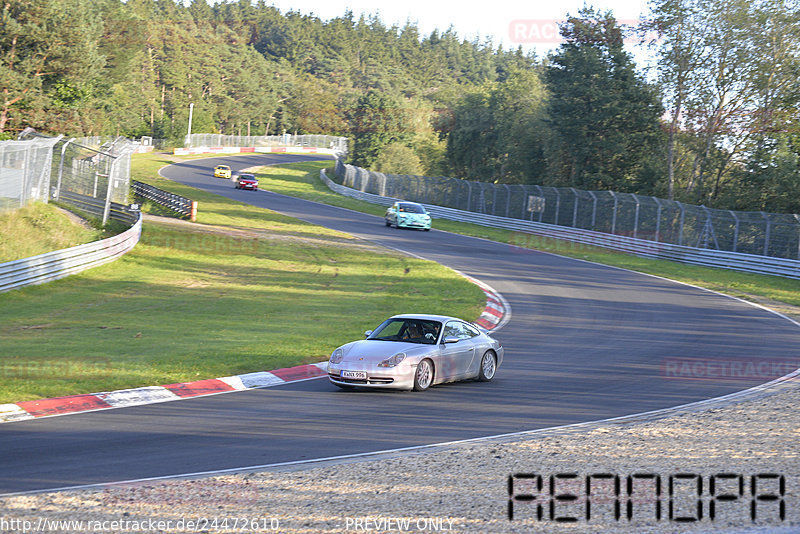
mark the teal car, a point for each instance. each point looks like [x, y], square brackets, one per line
[408, 215]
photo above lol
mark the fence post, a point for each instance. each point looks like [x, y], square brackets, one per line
[558, 204]
[636, 218]
[736, 230]
[508, 200]
[107, 206]
[25, 177]
[680, 228]
[767, 232]
[614, 215]
[594, 209]
[797, 217]
[61, 169]
[575, 209]
[541, 194]
[658, 219]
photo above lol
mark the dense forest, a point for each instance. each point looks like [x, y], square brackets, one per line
[715, 124]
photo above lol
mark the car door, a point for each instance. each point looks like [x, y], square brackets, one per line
[456, 356]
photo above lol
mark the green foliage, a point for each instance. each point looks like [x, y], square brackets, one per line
[377, 121]
[398, 158]
[604, 118]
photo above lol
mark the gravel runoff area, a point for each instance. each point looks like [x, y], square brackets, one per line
[464, 487]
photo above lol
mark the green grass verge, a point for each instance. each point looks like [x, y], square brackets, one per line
[38, 228]
[302, 180]
[245, 290]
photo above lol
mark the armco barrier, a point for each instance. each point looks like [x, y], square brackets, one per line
[61, 263]
[96, 206]
[698, 256]
[176, 203]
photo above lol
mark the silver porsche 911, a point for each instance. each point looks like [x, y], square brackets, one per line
[416, 352]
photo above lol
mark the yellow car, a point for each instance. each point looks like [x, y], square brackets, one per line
[222, 171]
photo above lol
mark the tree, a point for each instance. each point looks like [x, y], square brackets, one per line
[604, 118]
[376, 121]
[49, 61]
[729, 72]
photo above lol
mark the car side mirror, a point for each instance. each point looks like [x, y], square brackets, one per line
[367, 333]
[451, 340]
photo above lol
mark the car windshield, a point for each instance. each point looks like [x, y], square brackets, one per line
[411, 208]
[408, 331]
[246, 177]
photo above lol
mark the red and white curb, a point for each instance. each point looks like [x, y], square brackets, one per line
[152, 394]
[493, 317]
[497, 311]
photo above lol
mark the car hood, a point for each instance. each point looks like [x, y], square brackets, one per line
[375, 351]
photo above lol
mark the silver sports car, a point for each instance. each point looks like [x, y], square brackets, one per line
[416, 352]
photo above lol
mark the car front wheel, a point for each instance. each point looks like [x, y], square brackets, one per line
[488, 367]
[423, 377]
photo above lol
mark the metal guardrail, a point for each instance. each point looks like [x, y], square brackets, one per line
[176, 203]
[697, 256]
[61, 263]
[97, 206]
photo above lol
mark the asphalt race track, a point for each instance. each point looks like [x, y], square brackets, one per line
[585, 342]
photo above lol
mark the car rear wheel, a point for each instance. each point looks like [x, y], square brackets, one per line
[488, 366]
[423, 377]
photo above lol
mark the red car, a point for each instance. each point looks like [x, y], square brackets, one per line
[246, 181]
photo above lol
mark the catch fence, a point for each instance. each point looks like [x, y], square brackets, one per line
[93, 168]
[623, 214]
[330, 142]
[25, 169]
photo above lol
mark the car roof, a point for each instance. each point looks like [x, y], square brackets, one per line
[407, 202]
[442, 318]
[222, 167]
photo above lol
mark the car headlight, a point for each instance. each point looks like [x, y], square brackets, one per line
[337, 356]
[393, 361]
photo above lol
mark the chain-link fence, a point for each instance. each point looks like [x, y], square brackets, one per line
[338, 144]
[25, 169]
[84, 172]
[644, 217]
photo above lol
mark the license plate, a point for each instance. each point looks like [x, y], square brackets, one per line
[355, 375]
